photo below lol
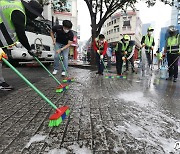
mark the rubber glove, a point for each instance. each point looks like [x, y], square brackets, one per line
[101, 56]
[2, 54]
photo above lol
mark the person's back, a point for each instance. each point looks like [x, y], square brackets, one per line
[13, 18]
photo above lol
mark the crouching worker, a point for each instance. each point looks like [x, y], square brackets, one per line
[100, 47]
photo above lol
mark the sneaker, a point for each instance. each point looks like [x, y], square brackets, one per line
[175, 80]
[54, 72]
[63, 73]
[4, 86]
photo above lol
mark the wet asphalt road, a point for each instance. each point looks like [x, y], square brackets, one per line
[133, 115]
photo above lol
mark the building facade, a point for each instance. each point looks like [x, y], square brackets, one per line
[175, 13]
[122, 23]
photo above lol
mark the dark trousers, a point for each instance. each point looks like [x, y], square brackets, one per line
[99, 63]
[132, 63]
[173, 65]
[119, 63]
[149, 58]
[109, 62]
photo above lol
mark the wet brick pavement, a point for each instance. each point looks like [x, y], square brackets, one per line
[98, 116]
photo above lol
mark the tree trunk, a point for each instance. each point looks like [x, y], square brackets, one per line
[93, 55]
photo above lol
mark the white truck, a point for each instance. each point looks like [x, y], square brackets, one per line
[40, 40]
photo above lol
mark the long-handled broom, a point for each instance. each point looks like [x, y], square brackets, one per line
[107, 76]
[60, 114]
[61, 87]
[66, 79]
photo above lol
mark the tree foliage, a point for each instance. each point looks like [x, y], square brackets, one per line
[101, 10]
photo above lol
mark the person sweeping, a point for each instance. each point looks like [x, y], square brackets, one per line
[173, 52]
[147, 45]
[13, 17]
[121, 52]
[62, 42]
[100, 47]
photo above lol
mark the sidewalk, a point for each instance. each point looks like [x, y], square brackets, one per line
[108, 116]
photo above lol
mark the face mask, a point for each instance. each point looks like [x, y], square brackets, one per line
[150, 33]
[66, 30]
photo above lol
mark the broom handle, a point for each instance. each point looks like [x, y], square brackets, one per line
[63, 65]
[30, 84]
[47, 70]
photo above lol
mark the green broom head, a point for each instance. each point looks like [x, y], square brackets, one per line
[121, 76]
[109, 77]
[61, 88]
[68, 80]
[58, 117]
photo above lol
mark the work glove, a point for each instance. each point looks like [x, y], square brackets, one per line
[123, 58]
[98, 51]
[101, 56]
[2, 54]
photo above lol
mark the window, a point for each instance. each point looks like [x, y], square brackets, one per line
[129, 17]
[111, 30]
[118, 29]
[126, 23]
[107, 32]
[114, 21]
[39, 27]
[109, 23]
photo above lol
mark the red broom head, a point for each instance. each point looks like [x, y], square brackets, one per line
[59, 112]
[61, 86]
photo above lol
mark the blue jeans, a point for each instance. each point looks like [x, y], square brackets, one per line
[64, 53]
